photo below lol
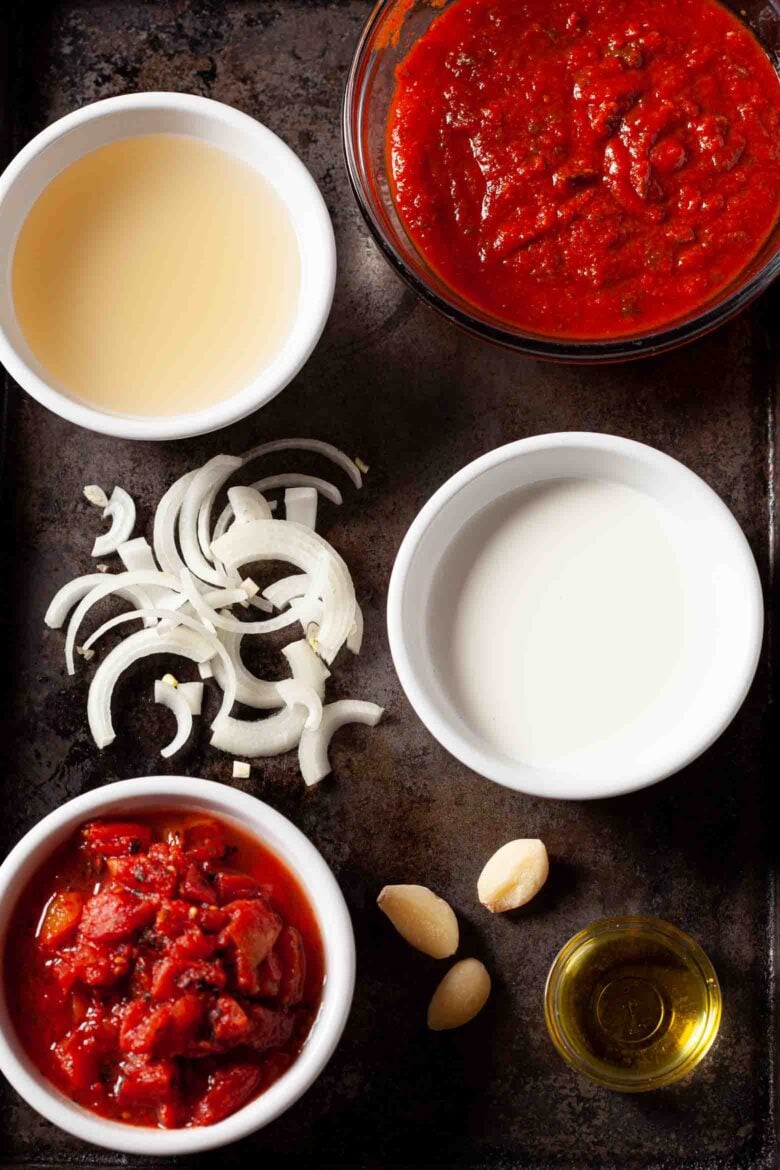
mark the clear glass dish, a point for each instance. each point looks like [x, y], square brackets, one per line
[392, 28]
[632, 1003]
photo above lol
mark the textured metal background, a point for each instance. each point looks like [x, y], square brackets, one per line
[417, 400]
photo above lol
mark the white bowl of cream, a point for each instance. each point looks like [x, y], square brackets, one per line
[575, 615]
[168, 266]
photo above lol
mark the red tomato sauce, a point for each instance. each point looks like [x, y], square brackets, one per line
[163, 971]
[586, 168]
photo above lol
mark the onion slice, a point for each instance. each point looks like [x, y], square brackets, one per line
[313, 748]
[214, 620]
[283, 540]
[271, 483]
[107, 585]
[355, 639]
[71, 594]
[286, 589]
[193, 693]
[250, 690]
[280, 732]
[165, 518]
[326, 449]
[204, 486]
[248, 504]
[142, 644]
[137, 554]
[297, 694]
[175, 701]
[300, 505]
[121, 509]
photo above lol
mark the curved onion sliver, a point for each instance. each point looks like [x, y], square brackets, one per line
[203, 487]
[71, 594]
[313, 748]
[107, 585]
[286, 589]
[175, 701]
[193, 693]
[137, 554]
[282, 540]
[142, 644]
[214, 620]
[270, 483]
[297, 694]
[321, 448]
[165, 518]
[250, 690]
[282, 731]
[121, 509]
[355, 639]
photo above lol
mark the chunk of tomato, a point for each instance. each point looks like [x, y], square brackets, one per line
[113, 915]
[204, 840]
[61, 918]
[251, 933]
[116, 838]
[229, 1088]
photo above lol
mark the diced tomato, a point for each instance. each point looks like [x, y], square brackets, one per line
[173, 1114]
[269, 974]
[61, 918]
[172, 976]
[232, 887]
[193, 944]
[112, 915]
[230, 1025]
[195, 887]
[80, 1053]
[204, 840]
[211, 919]
[252, 931]
[145, 1082]
[269, 1028]
[173, 918]
[289, 948]
[167, 1030]
[143, 873]
[116, 838]
[99, 966]
[230, 1087]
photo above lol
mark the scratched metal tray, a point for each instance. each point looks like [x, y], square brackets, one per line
[417, 400]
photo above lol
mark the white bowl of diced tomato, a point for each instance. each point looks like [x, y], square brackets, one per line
[177, 965]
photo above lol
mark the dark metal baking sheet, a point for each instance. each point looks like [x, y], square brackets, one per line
[417, 400]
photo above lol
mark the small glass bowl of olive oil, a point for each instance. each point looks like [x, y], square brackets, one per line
[633, 1003]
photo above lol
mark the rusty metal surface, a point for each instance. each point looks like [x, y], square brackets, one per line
[416, 400]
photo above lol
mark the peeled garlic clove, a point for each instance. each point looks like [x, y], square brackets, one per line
[514, 874]
[425, 920]
[462, 993]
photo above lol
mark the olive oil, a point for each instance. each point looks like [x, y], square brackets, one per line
[633, 1003]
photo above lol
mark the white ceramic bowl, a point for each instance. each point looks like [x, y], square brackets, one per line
[723, 583]
[95, 125]
[182, 792]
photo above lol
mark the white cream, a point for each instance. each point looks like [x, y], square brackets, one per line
[565, 623]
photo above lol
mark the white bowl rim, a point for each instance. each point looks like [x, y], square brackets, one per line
[338, 944]
[516, 775]
[245, 400]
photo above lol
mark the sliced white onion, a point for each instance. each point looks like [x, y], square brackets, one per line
[106, 585]
[193, 693]
[282, 540]
[203, 487]
[220, 621]
[283, 591]
[313, 748]
[248, 504]
[300, 505]
[321, 448]
[270, 483]
[121, 509]
[297, 694]
[355, 639]
[205, 668]
[137, 554]
[277, 733]
[71, 594]
[175, 701]
[142, 644]
[241, 770]
[250, 690]
[165, 519]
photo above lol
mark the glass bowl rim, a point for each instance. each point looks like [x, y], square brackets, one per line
[629, 347]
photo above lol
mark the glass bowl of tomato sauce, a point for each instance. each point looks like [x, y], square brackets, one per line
[177, 965]
[584, 181]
